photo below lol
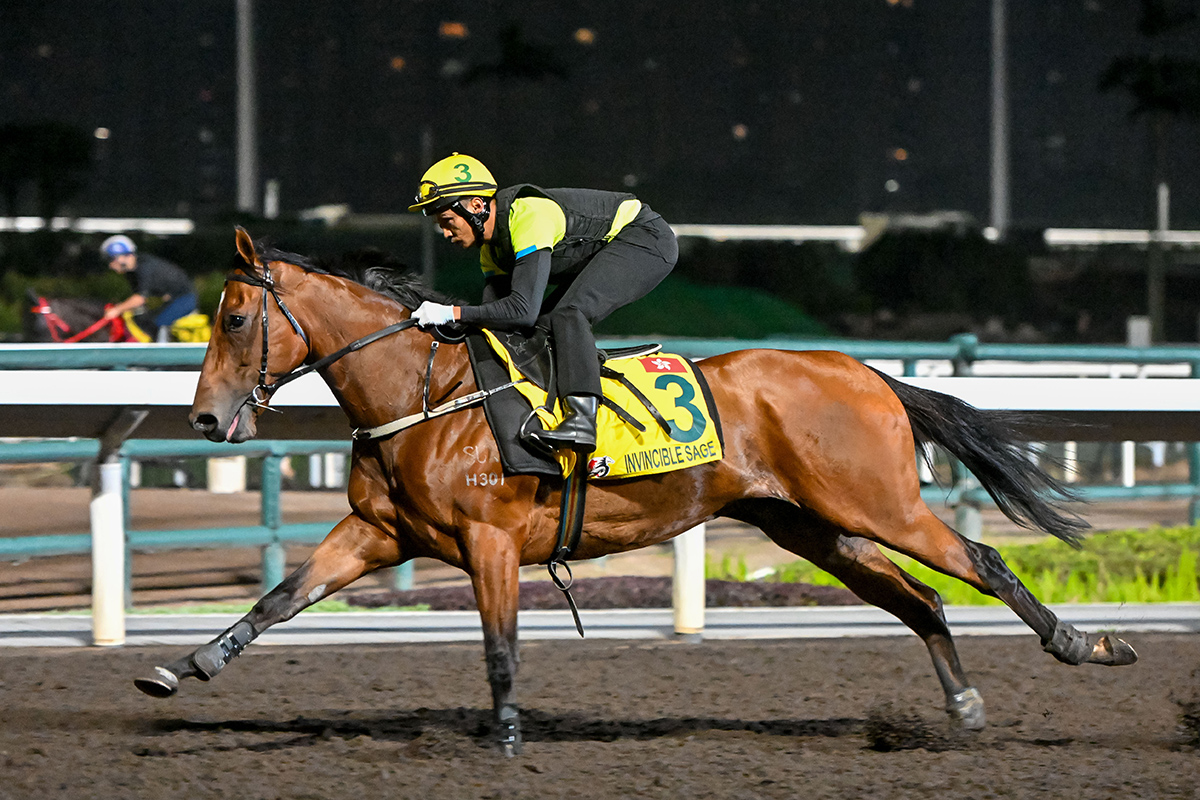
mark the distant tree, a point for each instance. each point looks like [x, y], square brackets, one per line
[519, 59]
[1164, 88]
[51, 157]
[16, 169]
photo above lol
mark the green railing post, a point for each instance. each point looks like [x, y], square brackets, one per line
[402, 577]
[968, 520]
[274, 555]
[966, 353]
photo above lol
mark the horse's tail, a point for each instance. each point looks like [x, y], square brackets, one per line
[986, 443]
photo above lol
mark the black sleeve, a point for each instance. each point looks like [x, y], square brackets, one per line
[519, 309]
[493, 288]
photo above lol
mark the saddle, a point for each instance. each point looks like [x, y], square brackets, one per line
[635, 437]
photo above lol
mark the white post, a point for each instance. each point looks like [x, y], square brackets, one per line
[924, 459]
[314, 470]
[335, 470]
[1070, 462]
[227, 475]
[108, 558]
[688, 584]
[1128, 462]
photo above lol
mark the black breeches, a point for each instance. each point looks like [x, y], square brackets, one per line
[626, 269]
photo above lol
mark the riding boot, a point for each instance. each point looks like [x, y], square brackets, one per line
[578, 428]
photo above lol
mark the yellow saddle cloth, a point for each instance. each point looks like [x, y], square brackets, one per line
[635, 442]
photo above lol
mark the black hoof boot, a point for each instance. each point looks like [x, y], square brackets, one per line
[508, 731]
[212, 657]
[578, 428]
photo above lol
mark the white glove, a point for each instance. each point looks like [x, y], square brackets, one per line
[433, 314]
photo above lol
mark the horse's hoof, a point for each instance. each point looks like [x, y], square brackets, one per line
[164, 683]
[1112, 652]
[966, 708]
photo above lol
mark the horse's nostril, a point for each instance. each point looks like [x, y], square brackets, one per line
[205, 423]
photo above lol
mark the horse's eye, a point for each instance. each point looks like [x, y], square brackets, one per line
[234, 322]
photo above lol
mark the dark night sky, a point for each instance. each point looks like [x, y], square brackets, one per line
[784, 112]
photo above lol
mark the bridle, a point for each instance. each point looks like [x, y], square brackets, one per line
[263, 392]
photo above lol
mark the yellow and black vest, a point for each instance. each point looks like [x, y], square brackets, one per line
[593, 218]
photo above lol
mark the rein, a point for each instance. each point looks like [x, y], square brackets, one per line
[263, 392]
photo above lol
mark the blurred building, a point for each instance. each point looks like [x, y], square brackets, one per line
[764, 111]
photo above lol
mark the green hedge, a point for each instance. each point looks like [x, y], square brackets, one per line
[1130, 566]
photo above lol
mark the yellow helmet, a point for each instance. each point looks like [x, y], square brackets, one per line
[455, 176]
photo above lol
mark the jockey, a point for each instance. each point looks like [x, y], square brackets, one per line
[600, 250]
[153, 277]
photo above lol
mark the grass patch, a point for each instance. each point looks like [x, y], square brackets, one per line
[1158, 565]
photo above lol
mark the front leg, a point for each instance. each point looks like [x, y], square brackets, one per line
[493, 562]
[352, 549]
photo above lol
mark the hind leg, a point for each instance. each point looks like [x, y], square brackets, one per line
[937, 545]
[353, 548]
[875, 578]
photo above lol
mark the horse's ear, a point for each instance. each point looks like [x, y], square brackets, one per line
[245, 246]
[32, 295]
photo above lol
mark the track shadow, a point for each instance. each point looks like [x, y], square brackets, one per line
[476, 724]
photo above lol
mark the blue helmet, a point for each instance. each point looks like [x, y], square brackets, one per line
[119, 245]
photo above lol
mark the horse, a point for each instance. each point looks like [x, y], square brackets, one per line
[819, 454]
[71, 319]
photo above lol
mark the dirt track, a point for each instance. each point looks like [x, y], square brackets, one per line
[779, 719]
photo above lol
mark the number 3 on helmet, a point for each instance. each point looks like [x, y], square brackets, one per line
[453, 177]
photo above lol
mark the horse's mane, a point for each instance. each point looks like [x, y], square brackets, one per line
[370, 267]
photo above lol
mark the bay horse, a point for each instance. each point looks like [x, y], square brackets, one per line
[819, 454]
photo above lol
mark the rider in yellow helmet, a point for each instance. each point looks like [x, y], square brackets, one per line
[599, 250]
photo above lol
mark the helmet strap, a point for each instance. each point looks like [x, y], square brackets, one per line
[476, 221]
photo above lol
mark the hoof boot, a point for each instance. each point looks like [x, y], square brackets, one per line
[508, 733]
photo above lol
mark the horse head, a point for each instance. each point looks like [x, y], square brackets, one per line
[240, 360]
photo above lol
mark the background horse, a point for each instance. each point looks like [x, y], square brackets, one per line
[68, 319]
[819, 454]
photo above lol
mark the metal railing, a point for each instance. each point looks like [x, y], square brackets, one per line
[962, 352]
[272, 535]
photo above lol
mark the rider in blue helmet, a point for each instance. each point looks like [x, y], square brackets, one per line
[150, 276]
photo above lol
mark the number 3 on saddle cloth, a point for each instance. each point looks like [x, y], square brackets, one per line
[657, 414]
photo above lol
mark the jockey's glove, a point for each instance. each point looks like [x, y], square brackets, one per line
[433, 314]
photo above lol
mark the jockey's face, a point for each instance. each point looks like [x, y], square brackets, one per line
[456, 228]
[123, 263]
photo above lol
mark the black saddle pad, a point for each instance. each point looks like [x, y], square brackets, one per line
[533, 355]
[506, 410]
